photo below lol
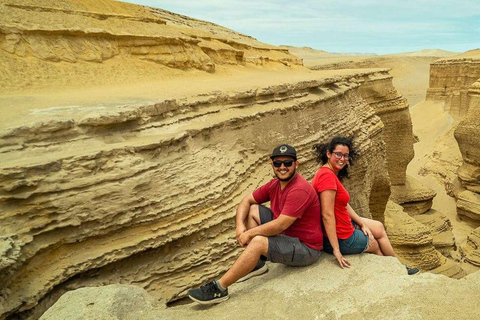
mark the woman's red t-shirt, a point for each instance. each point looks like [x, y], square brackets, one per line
[326, 179]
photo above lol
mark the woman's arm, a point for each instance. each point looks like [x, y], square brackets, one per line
[327, 201]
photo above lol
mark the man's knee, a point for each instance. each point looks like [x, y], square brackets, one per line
[254, 213]
[259, 244]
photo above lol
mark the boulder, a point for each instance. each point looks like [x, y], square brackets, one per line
[102, 303]
[374, 287]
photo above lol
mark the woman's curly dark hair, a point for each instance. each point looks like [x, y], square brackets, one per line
[320, 151]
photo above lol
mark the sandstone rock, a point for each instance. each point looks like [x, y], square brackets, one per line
[374, 288]
[467, 135]
[392, 108]
[450, 268]
[471, 249]
[107, 302]
[468, 205]
[450, 79]
[59, 41]
[412, 241]
[441, 230]
[413, 196]
[104, 206]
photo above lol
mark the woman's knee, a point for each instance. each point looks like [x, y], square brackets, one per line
[376, 227]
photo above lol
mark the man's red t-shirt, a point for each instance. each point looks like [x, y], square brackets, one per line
[298, 199]
[326, 179]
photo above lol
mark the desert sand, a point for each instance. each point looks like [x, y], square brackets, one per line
[129, 134]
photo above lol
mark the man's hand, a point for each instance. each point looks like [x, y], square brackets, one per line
[240, 229]
[245, 238]
[344, 263]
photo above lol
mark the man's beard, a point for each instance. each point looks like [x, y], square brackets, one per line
[287, 178]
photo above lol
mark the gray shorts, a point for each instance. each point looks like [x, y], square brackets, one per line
[284, 249]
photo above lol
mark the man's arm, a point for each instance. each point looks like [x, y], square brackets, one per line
[271, 228]
[242, 213]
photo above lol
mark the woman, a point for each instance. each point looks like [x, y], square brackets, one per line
[347, 233]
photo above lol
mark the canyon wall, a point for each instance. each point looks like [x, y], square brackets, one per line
[47, 44]
[141, 195]
[467, 135]
[450, 80]
[455, 81]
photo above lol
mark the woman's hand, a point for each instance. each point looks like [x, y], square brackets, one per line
[344, 263]
[368, 233]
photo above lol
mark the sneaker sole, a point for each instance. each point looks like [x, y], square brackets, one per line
[213, 301]
[255, 273]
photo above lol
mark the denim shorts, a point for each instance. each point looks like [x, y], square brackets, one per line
[356, 243]
[284, 249]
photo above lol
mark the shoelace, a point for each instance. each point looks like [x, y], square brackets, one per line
[209, 287]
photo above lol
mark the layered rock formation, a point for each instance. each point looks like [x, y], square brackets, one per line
[92, 42]
[467, 135]
[455, 81]
[471, 249]
[146, 194]
[374, 288]
[450, 80]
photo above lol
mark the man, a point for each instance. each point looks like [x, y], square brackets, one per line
[288, 233]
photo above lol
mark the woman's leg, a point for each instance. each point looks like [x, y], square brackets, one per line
[374, 247]
[383, 243]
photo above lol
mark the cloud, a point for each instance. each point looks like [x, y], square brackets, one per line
[340, 24]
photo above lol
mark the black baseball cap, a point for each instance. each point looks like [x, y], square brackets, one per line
[284, 150]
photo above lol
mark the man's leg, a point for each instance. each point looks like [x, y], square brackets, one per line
[257, 215]
[246, 262]
[253, 218]
[216, 291]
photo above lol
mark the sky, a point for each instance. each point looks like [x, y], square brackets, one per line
[361, 26]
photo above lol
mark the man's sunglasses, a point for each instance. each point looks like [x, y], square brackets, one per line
[286, 163]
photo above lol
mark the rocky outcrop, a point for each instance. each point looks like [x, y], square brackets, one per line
[413, 196]
[102, 303]
[411, 240]
[146, 194]
[455, 81]
[374, 288]
[471, 249]
[450, 80]
[392, 108]
[467, 135]
[441, 229]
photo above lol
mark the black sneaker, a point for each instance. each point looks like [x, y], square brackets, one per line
[208, 294]
[412, 270]
[259, 269]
